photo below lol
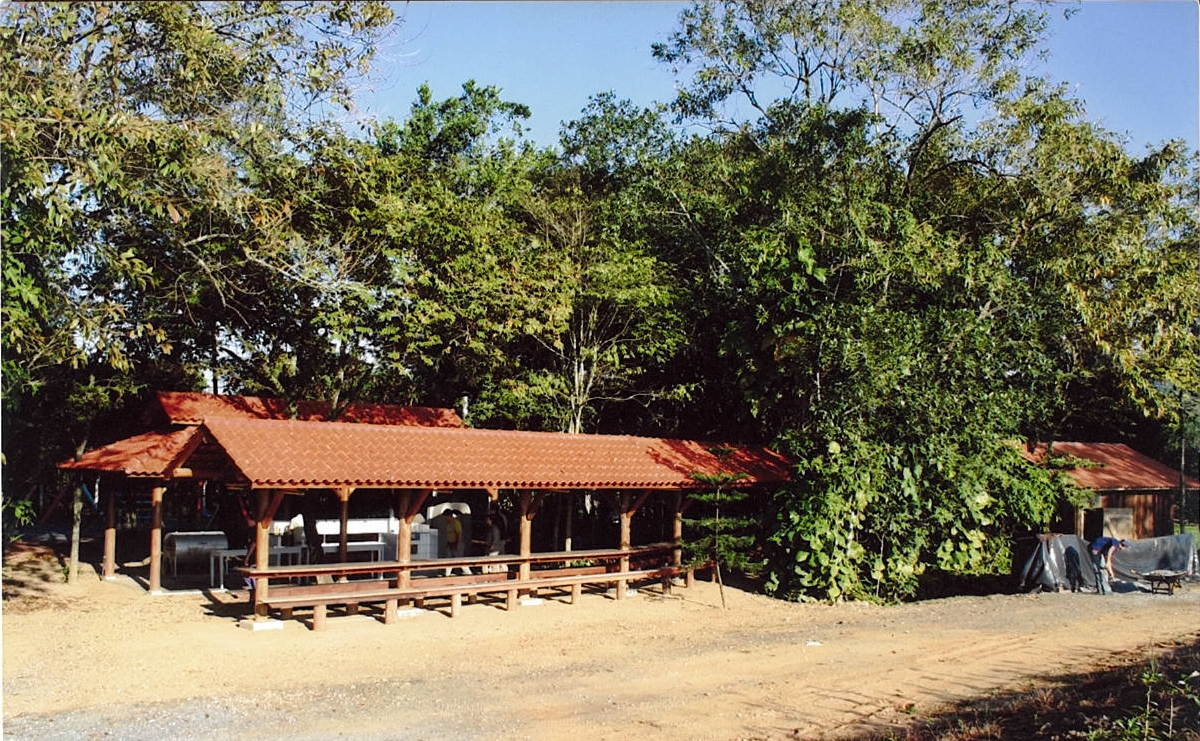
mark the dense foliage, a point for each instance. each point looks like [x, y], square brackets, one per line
[907, 256]
[904, 294]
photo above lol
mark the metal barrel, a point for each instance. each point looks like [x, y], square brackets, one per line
[189, 551]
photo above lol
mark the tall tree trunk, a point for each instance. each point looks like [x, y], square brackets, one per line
[1182, 475]
[76, 519]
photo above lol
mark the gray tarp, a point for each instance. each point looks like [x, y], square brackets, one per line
[1048, 561]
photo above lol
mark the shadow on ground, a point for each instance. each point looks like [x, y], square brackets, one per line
[1155, 695]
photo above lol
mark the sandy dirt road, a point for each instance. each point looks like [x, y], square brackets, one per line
[106, 660]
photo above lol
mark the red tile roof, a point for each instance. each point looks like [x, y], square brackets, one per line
[297, 454]
[192, 408]
[154, 454]
[1120, 467]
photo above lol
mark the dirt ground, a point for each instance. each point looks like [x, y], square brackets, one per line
[107, 660]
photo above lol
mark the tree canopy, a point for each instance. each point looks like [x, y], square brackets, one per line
[910, 255]
[907, 293]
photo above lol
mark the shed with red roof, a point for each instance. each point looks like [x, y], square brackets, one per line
[1135, 496]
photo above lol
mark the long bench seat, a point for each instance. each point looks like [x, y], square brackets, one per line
[320, 596]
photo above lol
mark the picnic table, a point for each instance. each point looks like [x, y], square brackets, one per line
[318, 586]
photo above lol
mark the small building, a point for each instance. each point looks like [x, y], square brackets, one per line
[1134, 496]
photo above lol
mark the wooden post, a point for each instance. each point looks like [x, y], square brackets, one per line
[403, 537]
[262, 550]
[626, 538]
[156, 498]
[626, 524]
[555, 523]
[110, 534]
[681, 505]
[343, 493]
[409, 506]
[526, 530]
[569, 525]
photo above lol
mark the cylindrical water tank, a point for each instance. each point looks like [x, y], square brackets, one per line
[184, 550]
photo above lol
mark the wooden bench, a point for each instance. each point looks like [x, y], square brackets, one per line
[545, 575]
[352, 584]
[567, 571]
[576, 577]
[320, 597]
[354, 593]
[470, 585]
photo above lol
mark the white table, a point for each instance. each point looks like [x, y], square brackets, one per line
[218, 560]
[374, 547]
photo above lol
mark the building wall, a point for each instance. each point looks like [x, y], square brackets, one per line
[1123, 514]
[1149, 512]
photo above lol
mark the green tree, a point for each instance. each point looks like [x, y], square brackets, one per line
[140, 229]
[890, 327]
[614, 312]
[610, 310]
[458, 288]
[725, 533]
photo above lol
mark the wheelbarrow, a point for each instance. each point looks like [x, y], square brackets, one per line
[1163, 580]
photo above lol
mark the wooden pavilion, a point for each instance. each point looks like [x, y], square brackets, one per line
[251, 444]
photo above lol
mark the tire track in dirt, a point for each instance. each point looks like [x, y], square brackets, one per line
[673, 668]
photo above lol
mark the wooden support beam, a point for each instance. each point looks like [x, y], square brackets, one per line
[417, 502]
[639, 502]
[262, 550]
[273, 506]
[626, 521]
[627, 511]
[539, 498]
[343, 494]
[677, 529]
[408, 505]
[526, 511]
[156, 500]
[569, 523]
[110, 533]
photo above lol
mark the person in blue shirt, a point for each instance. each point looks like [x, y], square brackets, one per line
[1102, 552]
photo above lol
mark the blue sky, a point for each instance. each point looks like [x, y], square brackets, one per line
[1135, 64]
